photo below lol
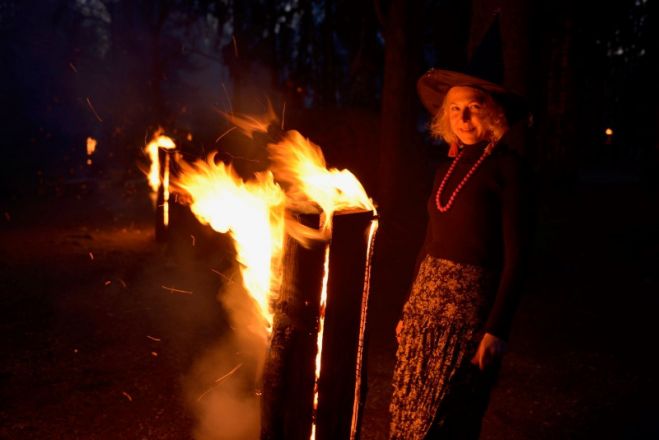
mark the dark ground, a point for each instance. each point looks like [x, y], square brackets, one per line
[94, 347]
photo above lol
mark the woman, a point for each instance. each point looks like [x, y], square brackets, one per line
[456, 321]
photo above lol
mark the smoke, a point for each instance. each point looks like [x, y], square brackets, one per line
[223, 386]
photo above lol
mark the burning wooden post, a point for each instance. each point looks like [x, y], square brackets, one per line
[288, 381]
[159, 151]
[340, 385]
[313, 304]
[333, 360]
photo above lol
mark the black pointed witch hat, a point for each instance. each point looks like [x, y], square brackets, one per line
[484, 71]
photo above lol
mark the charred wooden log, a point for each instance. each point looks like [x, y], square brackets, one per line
[341, 386]
[288, 384]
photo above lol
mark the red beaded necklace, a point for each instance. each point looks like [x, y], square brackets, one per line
[444, 208]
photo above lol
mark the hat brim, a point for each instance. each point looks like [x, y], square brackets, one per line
[435, 84]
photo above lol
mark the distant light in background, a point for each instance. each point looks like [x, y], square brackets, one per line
[91, 147]
[609, 136]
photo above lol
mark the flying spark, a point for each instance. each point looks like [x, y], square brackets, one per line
[89, 103]
[173, 290]
[219, 381]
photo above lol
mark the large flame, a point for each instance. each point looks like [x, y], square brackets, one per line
[299, 165]
[252, 212]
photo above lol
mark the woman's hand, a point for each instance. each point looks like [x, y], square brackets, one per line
[399, 328]
[490, 350]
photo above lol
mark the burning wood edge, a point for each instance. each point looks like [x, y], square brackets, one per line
[312, 383]
[163, 194]
[354, 425]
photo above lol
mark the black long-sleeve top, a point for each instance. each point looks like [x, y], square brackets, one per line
[487, 225]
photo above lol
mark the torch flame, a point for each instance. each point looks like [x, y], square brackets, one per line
[159, 141]
[251, 212]
[91, 147]
[154, 175]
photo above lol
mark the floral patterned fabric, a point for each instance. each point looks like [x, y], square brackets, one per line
[442, 320]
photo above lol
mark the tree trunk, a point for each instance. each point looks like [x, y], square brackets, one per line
[399, 111]
[556, 153]
[515, 20]
[328, 92]
[400, 170]
[160, 117]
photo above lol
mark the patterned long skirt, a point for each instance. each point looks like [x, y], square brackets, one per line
[438, 393]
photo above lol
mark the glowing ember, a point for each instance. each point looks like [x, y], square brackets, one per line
[91, 148]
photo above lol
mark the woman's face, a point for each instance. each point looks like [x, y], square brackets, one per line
[466, 108]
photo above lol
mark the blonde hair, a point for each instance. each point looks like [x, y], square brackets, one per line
[494, 118]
